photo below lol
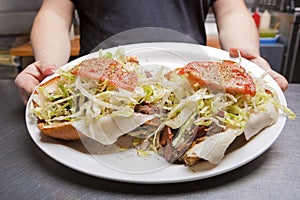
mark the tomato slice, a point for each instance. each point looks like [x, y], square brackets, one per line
[225, 76]
[105, 69]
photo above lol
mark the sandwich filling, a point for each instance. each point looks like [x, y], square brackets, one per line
[187, 114]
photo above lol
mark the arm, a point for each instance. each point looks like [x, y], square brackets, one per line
[50, 42]
[50, 32]
[237, 31]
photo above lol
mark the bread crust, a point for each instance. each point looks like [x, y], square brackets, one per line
[63, 131]
[49, 83]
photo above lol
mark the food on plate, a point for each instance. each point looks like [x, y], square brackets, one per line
[90, 98]
[186, 114]
[62, 130]
[232, 103]
[226, 76]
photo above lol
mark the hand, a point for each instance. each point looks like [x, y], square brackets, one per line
[280, 80]
[32, 75]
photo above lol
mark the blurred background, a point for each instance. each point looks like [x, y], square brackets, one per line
[277, 21]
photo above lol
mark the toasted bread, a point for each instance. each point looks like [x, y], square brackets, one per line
[63, 131]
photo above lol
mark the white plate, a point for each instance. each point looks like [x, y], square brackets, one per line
[171, 55]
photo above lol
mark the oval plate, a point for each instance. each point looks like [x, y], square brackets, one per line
[171, 55]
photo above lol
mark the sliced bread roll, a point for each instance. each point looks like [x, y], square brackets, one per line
[65, 130]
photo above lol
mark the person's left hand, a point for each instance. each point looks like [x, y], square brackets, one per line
[261, 62]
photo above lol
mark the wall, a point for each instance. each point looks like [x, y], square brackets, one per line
[16, 18]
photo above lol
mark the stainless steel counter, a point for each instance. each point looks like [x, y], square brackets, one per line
[28, 173]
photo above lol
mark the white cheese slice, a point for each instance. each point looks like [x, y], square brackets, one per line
[213, 148]
[107, 129]
[261, 120]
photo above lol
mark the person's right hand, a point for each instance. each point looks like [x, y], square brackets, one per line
[32, 75]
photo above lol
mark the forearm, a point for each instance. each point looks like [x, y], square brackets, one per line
[236, 28]
[50, 36]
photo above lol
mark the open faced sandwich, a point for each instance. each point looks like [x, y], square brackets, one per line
[185, 114]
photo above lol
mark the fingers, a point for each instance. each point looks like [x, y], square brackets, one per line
[40, 69]
[234, 52]
[32, 75]
[280, 80]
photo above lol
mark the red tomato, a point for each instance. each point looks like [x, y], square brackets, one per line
[225, 76]
[105, 69]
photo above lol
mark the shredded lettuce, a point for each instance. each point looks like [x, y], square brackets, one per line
[77, 98]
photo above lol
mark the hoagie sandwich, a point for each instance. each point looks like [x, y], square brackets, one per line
[186, 114]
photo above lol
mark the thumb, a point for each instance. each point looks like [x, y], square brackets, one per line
[46, 67]
[234, 52]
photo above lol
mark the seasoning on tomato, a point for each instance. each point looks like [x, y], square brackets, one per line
[225, 76]
[106, 69]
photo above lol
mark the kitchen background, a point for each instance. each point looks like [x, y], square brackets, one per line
[281, 50]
